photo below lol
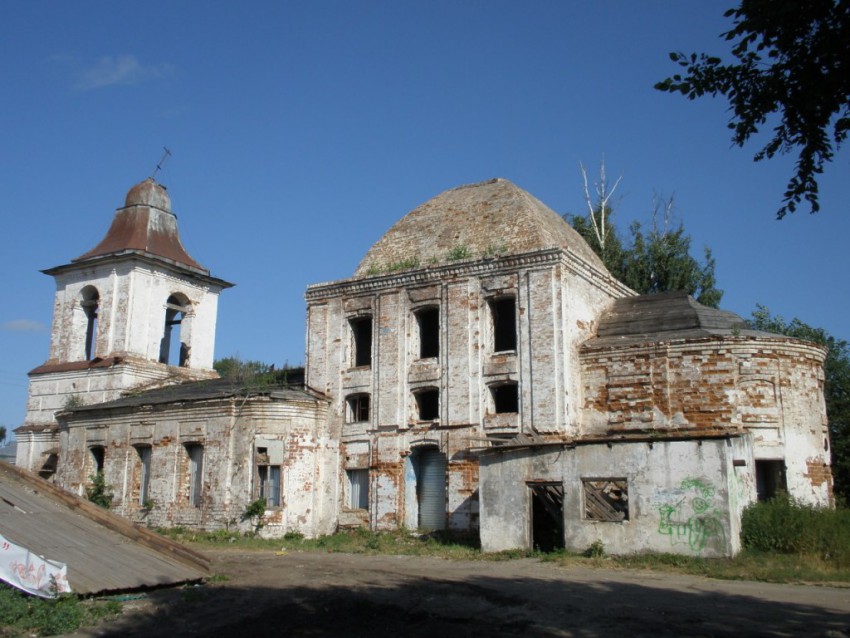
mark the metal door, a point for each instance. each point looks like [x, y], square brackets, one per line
[431, 489]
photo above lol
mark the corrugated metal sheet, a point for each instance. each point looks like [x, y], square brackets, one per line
[431, 484]
[103, 551]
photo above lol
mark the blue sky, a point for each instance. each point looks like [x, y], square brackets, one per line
[301, 131]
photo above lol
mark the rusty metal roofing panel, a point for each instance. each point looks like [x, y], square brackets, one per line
[144, 229]
[103, 551]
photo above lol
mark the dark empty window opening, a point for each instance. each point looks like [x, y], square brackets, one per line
[98, 454]
[770, 479]
[428, 404]
[547, 516]
[503, 310]
[429, 332]
[361, 332]
[606, 500]
[175, 312]
[48, 468]
[505, 398]
[358, 408]
[90, 304]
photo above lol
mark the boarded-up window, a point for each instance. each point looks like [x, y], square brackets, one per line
[606, 500]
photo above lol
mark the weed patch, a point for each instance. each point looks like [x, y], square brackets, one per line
[21, 614]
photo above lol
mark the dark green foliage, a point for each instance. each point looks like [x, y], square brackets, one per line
[792, 65]
[65, 614]
[2, 433]
[655, 261]
[660, 261]
[98, 492]
[785, 527]
[836, 387]
[254, 512]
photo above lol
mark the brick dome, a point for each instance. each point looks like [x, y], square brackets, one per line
[490, 219]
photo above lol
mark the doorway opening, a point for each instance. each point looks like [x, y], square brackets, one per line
[547, 516]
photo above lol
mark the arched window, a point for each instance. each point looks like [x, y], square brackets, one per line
[172, 341]
[89, 303]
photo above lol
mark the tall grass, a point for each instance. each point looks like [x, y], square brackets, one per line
[785, 527]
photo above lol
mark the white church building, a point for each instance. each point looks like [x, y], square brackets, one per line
[481, 371]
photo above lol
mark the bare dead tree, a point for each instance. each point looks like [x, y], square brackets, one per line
[599, 208]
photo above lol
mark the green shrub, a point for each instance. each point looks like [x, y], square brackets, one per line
[596, 549]
[98, 492]
[786, 527]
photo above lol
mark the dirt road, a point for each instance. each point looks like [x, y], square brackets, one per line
[376, 596]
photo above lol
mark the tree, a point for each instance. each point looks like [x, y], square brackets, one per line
[836, 387]
[2, 433]
[656, 261]
[235, 368]
[793, 61]
[596, 228]
[661, 260]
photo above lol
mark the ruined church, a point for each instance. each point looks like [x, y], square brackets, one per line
[481, 371]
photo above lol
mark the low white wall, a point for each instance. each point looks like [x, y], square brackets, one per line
[685, 496]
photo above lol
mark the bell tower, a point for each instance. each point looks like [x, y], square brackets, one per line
[136, 310]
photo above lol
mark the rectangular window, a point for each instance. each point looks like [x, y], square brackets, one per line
[144, 474]
[358, 489]
[270, 484]
[503, 313]
[606, 500]
[770, 479]
[505, 398]
[428, 404]
[361, 335]
[358, 408]
[429, 332]
[196, 471]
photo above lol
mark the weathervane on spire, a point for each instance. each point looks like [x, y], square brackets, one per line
[158, 168]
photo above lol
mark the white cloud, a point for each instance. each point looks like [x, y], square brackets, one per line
[121, 69]
[23, 325]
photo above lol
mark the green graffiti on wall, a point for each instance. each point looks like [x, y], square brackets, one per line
[693, 520]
